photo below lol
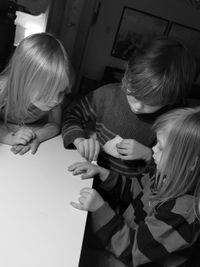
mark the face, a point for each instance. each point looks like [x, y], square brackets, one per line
[139, 107]
[159, 147]
[40, 104]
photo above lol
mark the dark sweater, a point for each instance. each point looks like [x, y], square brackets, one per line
[108, 108]
[149, 231]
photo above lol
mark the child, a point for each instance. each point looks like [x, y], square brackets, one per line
[33, 85]
[158, 76]
[159, 225]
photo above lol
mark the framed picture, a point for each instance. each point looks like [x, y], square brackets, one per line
[189, 36]
[134, 28]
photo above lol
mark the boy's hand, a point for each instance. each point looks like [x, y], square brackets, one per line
[23, 136]
[130, 149]
[88, 148]
[89, 200]
[88, 170]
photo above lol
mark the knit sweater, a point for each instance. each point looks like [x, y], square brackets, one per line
[108, 108]
[149, 232]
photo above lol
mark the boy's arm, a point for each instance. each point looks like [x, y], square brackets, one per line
[76, 116]
[169, 229]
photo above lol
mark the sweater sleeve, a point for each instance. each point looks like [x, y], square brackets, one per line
[76, 116]
[166, 230]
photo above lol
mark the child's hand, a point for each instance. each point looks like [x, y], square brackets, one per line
[130, 149]
[23, 136]
[34, 144]
[22, 149]
[88, 170]
[88, 148]
[89, 200]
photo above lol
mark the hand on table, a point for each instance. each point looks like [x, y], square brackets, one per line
[88, 170]
[22, 149]
[23, 136]
[89, 200]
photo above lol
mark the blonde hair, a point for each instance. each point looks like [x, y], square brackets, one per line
[38, 70]
[179, 168]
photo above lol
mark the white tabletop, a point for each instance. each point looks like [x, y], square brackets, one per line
[38, 227]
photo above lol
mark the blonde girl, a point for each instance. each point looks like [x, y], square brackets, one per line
[31, 86]
[157, 226]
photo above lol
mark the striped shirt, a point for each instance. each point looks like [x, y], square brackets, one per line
[108, 108]
[145, 231]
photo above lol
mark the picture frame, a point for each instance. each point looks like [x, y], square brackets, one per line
[188, 35]
[134, 28]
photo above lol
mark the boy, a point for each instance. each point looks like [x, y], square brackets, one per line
[157, 78]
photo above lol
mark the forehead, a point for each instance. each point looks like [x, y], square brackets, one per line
[162, 134]
[161, 137]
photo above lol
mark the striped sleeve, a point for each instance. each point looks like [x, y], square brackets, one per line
[159, 238]
[75, 118]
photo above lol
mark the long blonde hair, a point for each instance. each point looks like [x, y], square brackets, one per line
[179, 168]
[39, 69]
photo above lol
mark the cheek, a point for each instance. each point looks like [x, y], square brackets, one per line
[157, 155]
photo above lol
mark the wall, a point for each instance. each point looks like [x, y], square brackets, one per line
[102, 34]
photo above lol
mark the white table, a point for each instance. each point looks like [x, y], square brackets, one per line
[38, 227]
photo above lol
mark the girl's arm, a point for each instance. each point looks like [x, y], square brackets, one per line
[52, 127]
[169, 228]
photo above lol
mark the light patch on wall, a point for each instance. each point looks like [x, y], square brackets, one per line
[27, 24]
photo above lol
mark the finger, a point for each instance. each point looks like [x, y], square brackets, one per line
[84, 194]
[86, 190]
[125, 157]
[17, 149]
[122, 151]
[28, 134]
[81, 149]
[82, 199]
[86, 148]
[77, 205]
[34, 148]
[80, 170]
[122, 146]
[24, 150]
[91, 149]
[21, 141]
[74, 166]
[97, 149]
[13, 148]
[125, 141]
[89, 174]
